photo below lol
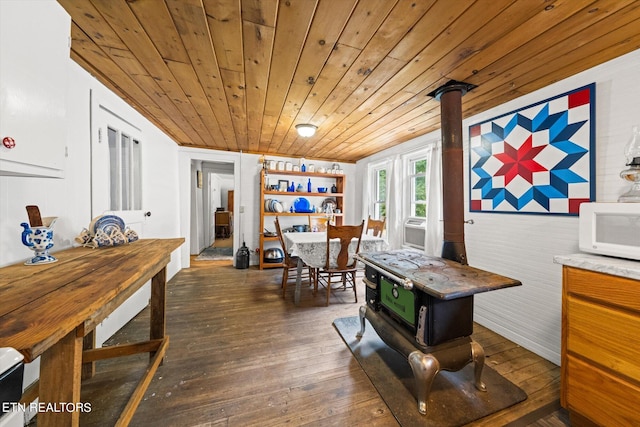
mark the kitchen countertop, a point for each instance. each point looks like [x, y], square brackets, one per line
[603, 264]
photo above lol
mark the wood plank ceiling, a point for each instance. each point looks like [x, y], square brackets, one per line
[238, 75]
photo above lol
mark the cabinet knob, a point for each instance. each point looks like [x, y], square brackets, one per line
[148, 213]
[8, 142]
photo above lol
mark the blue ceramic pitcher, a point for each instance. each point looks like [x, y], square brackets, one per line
[40, 239]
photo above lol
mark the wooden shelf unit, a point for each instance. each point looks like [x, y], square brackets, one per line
[267, 218]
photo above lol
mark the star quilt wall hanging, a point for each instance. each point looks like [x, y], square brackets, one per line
[536, 160]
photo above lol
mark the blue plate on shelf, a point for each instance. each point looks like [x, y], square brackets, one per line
[302, 205]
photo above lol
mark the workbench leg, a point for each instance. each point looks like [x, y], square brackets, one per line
[89, 343]
[60, 370]
[158, 306]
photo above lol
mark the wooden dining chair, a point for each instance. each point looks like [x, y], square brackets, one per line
[376, 226]
[341, 264]
[291, 263]
[319, 222]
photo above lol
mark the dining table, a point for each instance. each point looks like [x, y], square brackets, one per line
[311, 250]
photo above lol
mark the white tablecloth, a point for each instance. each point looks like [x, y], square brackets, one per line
[312, 247]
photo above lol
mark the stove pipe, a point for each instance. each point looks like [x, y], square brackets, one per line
[450, 97]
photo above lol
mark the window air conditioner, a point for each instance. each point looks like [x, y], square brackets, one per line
[414, 232]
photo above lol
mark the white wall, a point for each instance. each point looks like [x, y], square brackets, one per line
[69, 198]
[522, 246]
[225, 184]
[197, 222]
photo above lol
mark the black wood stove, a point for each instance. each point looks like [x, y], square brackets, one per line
[422, 307]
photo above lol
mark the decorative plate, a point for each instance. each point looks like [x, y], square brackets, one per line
[302, 205]
[329, 202]
[107, 224]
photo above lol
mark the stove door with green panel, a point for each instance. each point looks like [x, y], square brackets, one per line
[399, 302]
[431, 319]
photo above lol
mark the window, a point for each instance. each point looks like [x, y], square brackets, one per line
[124, 166]
[379, 192]
[418, 187]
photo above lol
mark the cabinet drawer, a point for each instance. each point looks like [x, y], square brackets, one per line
[611, 290]
[603, 398]
[605, 335]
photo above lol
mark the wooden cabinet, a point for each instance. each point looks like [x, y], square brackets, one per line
[267, 218]
[33, 87]
[600, 341]
[224, 224]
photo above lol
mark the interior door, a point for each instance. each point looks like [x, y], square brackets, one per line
[116, 188]
[116, 178]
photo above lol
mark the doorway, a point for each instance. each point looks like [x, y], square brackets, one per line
[213, 205]
[190, 160]
[218, 202]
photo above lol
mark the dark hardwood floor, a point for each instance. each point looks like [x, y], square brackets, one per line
[241, 355]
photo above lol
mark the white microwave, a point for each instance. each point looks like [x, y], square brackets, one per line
[610, 229]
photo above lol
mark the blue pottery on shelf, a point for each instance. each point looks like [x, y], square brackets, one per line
[40, 240]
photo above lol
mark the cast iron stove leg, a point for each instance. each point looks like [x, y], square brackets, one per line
[477, 354]
[449, 356]
[424, 367]
[362, 313]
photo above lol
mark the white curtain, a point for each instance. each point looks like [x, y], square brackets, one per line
[394, 204]
[367, 195]
[435, 226]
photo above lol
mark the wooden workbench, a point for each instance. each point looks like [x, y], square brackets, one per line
[49, 310]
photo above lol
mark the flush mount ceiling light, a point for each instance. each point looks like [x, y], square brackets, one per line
[306, 130]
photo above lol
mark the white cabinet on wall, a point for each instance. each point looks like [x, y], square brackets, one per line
[33, 87]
